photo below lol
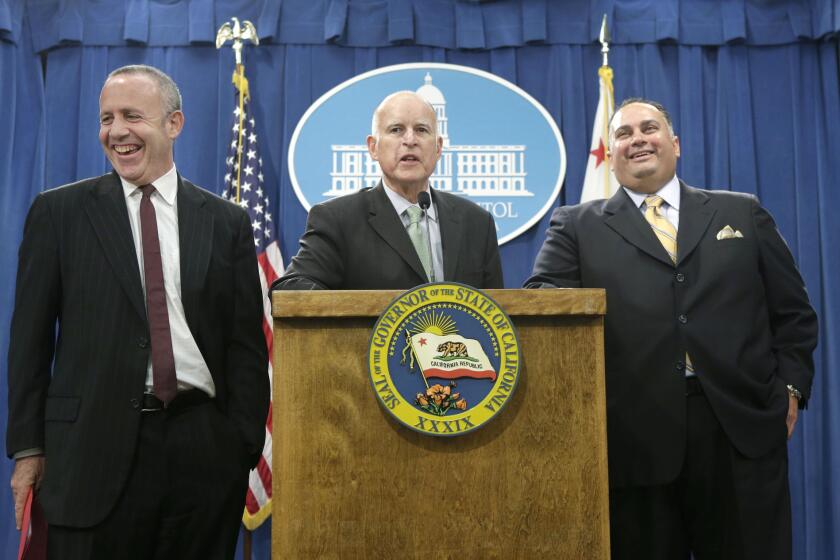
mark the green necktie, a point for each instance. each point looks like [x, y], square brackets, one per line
[417, 234]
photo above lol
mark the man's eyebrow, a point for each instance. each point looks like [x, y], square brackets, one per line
[641, 124]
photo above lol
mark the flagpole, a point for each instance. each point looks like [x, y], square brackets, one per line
[414, 357]
[241, 84]
[238, 34]
[604, 39]
[606, 75]
[232, 31]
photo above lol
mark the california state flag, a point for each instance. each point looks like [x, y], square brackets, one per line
[451, 357]
[600, 181]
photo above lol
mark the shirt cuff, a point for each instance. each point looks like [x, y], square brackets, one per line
[28, 453]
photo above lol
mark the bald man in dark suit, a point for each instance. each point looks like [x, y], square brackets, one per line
[361, 241]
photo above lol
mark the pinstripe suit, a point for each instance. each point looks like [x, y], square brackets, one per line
[78, 268]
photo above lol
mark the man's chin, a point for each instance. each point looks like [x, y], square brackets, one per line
[408, 182]
[132, 176]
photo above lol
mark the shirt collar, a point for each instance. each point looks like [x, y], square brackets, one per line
[670, 193]
[166, 185]
[401, 203]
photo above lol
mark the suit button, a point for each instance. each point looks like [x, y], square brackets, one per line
[680, 366]
[682, 319]
[143, 342]
[135, 403]
[680, 277]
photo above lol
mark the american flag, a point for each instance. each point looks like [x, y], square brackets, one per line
[244, 184]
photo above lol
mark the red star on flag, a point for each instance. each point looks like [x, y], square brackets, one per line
[600, 154]
[422, 342]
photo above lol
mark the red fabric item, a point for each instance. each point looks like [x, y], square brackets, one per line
[163, 359]
[33, 531]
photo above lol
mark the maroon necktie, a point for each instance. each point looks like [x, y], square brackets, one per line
[163, 360]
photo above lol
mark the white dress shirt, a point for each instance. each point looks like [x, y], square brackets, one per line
[401, 204]
[190, 369]
[670, 193]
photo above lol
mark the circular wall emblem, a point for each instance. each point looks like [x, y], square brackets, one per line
[501, 147]
[444, 359]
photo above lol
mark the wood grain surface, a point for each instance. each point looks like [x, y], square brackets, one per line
[369, 303]
[350, 482]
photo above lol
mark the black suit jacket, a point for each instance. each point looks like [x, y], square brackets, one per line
[358, 242]
[78, 269]
[738, 306]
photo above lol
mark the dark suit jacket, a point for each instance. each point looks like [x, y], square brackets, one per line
[358, 242]
[738, 306]
[78, 266]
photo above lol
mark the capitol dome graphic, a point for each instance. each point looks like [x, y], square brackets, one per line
[468, 170]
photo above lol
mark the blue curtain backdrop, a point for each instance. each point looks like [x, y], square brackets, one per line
[752, 85]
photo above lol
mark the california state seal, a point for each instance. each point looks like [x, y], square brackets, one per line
[444, 359]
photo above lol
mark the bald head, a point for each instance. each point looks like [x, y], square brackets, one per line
[405, 143]
[390, 100]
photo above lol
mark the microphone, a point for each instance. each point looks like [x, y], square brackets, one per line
[424, 200]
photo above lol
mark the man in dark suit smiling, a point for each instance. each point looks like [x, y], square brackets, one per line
[380, 238]
[140, 420]
[709, 337]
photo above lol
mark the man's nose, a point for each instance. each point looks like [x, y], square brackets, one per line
[409, 138]
[118, 128]
[637, 138]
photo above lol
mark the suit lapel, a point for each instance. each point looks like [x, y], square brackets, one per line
[626, 219]
[450, 235]
[108, 215]
[695, 216]
[384, 220]
[195, 236]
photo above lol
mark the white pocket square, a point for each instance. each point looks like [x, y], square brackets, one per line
[728, 233]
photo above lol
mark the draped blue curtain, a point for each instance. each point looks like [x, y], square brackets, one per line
[22, 147]
[752, 86]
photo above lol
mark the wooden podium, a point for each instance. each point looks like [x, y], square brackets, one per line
[351, 482]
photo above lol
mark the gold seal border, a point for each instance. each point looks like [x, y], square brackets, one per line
[444, 295]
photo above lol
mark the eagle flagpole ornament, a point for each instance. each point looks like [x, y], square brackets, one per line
[238, 34]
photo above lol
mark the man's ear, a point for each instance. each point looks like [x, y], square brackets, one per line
[174, 124]
[371, 146]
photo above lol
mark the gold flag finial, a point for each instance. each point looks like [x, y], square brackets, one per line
[604, 39]
[237, 34]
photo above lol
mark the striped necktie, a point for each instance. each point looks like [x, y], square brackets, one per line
[664, 230]
[667, 235]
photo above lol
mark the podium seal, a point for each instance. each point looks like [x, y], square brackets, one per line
[444, 359]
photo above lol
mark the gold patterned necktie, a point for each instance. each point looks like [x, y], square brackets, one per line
[664, 230]
[667, 235]
[420, 240]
